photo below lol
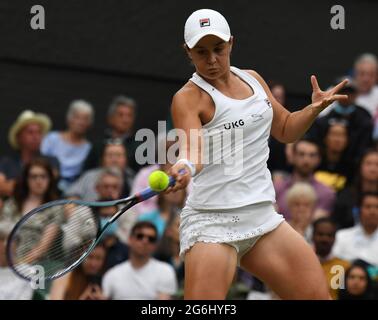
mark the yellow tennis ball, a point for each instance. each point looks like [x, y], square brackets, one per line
[158, 180]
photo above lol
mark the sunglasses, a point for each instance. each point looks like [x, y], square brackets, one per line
[141, 236]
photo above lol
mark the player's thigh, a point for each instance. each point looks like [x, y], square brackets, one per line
[287, 264]
[209, 270]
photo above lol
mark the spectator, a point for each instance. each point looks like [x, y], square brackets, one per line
[335, 169]
[114, 155]
[36, 186]
[345, 212]
[301, 200]
[117, 251]
[323, 237]
[84, 282]
[306, 159]
[168, 204]
[359, 121]
[108, 187]
[361, 241]
[278, 90]
[11, 286]
[141, 277]
[25, 137]
[121, 121]
[71, 146]
[365, 75]
[358, 285]
[365, 78]
[168, 249]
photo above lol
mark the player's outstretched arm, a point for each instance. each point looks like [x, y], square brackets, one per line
[288, 126]
[186, 120]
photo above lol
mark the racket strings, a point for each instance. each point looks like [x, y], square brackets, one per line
[54, 238]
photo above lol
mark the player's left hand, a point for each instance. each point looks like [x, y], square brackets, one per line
[322, 99]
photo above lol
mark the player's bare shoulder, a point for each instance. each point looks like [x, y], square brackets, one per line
[190, 97]
[255, 75]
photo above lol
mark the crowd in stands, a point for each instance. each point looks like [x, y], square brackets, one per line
[326, 187]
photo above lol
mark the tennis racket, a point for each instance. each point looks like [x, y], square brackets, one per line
[56, 237]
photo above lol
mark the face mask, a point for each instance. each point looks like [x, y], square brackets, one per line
[111, 229]
[344, 110]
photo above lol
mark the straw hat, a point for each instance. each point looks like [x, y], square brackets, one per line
[27, 117]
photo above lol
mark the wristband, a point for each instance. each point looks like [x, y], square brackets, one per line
[190, 165]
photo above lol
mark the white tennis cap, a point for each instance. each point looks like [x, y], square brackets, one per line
[204, 22]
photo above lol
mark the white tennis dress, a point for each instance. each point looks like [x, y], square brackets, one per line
[232, 197]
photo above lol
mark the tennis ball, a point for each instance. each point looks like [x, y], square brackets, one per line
[158, 180]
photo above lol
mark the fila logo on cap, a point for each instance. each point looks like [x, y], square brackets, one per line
[205, 22]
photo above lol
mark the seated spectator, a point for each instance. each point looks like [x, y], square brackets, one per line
[335, 169]
[84, 282]
[141, 277]
[361, 241]
[306, 159]
[168, 249]
[301, 200]
[323, 237]
[365, 79]
[168, 204]
[117, 251]
[365, 75]
[36, 186]
[360, 124]
[108, 187]
[12, 287]
[345, 212]
[71, 146]
[121, 121]
[25, 137]
[358, 285]
[114, 155]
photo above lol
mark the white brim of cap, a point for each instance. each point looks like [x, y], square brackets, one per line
[192, 42]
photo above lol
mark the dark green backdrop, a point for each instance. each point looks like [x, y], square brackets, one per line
[96, 49]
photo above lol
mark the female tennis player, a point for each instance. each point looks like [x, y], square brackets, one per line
[229, 218]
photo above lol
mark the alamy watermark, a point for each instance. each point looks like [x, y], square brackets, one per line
[338, 19]
[37, 22]
[221, 146]
[38, 280]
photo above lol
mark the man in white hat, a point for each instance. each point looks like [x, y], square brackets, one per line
[25, 137]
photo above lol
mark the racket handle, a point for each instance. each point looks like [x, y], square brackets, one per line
[149, 193]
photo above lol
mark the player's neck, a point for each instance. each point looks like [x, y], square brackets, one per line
[222, 81]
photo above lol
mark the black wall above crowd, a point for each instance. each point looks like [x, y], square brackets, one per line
[96, 49]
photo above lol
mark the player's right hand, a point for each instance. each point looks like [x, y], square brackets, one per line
[182, 179]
